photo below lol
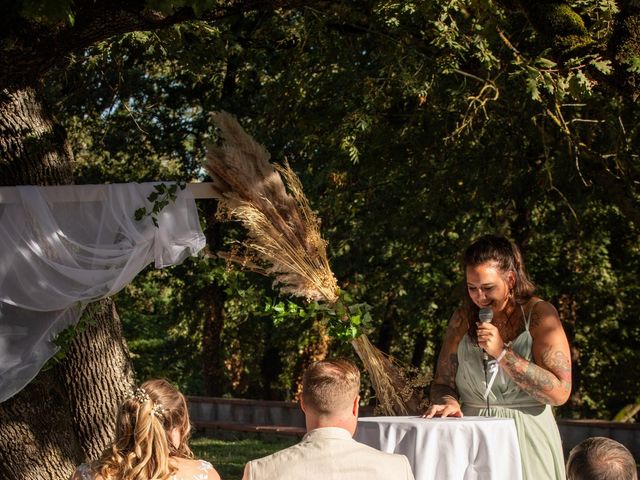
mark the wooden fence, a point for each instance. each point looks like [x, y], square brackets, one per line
[286, 418]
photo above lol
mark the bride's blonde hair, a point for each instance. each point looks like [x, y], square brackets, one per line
[143, 447]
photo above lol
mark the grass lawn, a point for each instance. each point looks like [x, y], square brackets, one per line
[229, 451]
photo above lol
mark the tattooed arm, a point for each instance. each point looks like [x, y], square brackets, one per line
[444, 394]
[548, 377]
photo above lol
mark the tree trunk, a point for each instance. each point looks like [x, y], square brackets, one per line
[316, 348]
[66, 414]
[213, 297]
[271, 362]
[33, 150]
[212, 351]
[97, 374]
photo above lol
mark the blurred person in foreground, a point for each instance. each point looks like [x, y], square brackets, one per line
[330, 402]
[601, 458]
[152, 430]
[527, 356]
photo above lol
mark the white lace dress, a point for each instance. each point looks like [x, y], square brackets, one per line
[200, 471]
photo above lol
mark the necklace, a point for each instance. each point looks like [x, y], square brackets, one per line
[506, 326]
[508, 322]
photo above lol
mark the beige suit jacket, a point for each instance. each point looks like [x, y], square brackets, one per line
[329, 454]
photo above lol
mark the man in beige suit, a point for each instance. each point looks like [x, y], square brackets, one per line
[330, 403]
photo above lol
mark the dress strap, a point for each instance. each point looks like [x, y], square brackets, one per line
[527, 320]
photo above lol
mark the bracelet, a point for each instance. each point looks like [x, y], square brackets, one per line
[502, 354]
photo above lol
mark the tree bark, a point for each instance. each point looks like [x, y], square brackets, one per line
[33, 150]
[97, 374]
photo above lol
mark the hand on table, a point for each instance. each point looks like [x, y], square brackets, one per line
[450, 408]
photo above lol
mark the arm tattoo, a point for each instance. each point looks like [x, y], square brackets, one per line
[449, 369]
[558, 363]
[444, 382]
[537, 381]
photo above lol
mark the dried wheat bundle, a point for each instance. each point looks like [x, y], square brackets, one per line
[284, 239]
[284, 242]
[395, 393]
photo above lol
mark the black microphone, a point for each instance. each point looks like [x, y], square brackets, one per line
[485, 315]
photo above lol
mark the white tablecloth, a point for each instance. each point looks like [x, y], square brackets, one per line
[469, 448]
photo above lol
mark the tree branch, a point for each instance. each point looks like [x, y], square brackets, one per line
[30, 49]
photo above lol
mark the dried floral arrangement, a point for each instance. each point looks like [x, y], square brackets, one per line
[284, 242]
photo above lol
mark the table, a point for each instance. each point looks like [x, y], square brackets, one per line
[467, 448]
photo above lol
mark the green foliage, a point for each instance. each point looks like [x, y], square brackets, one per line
[169, 7]
[634, 64]
[48, 11]
[64, 339]
[162, 195]
[414, 126]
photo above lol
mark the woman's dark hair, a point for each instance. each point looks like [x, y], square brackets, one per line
[506, 257]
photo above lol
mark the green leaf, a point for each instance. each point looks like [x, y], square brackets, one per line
[579, 85]
[532, 88]
[603, 66]
[140, 213]
[545, 62]
[634, 64]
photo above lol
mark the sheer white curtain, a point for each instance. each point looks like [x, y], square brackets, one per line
[63, 247]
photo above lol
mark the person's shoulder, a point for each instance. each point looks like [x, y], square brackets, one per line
[204, 466]
[197, 468]
[281, 455]
[542, 313]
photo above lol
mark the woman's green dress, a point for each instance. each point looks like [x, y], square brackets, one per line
[540, 444]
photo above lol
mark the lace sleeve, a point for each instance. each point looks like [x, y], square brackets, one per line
[205, 471]
[85, 472]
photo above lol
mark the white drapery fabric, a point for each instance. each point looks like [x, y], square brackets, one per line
[63, 247]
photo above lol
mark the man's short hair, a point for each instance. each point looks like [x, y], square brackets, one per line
[329, 386]
[601, 458]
